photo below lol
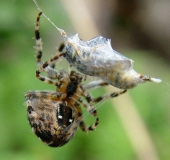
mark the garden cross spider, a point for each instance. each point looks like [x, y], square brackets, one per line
[55, 116]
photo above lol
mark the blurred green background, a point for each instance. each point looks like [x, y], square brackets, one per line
[17, 76]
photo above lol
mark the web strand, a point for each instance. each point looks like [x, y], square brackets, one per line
[63, 33]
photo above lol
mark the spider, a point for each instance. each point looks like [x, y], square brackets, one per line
[55, 115]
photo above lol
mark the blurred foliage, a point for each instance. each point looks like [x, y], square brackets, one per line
[17, 70]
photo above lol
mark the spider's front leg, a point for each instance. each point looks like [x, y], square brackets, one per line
[52, 74]
[60, 50]
[39, 43]
[45, 66]
[38, 40]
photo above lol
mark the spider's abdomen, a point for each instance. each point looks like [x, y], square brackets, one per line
[52, 121]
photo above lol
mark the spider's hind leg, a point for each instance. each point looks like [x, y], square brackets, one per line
[82, 125]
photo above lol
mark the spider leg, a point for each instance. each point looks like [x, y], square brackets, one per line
[45, 94]
[60, 49]
[100, 83]
[45, 79]
[88, 107]
[82, 125]
[107, 96]
[38, 40]
[90, 128]
[95, 84]
[45, 66]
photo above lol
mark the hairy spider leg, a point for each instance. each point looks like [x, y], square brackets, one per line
[60, 50]
[101, 83]
[56, 96]
[95, 84]
[107, 96]
[82, 124]
[90, 128]
[45, 66]
[96, 100]
[38, 40]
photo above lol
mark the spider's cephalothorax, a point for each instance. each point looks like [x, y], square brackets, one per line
[55, 116]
